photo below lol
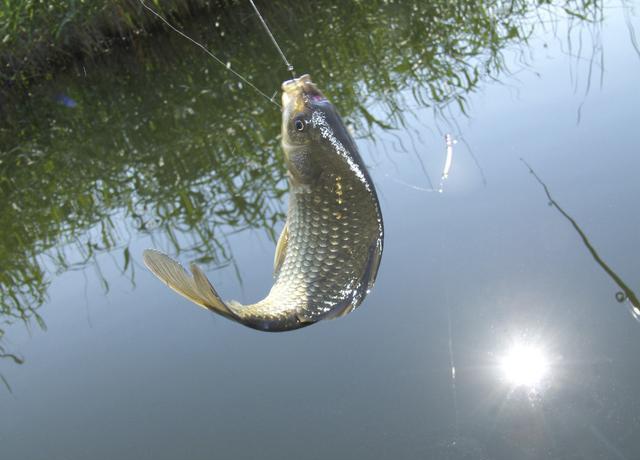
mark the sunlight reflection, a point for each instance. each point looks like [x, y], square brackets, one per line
[525, 365]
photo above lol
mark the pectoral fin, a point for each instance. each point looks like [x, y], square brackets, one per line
[281, 250]
[375, 254]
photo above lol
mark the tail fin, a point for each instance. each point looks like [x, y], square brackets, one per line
[196, 288]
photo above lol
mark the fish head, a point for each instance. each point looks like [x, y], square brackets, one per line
[300, 97]
[303, 104]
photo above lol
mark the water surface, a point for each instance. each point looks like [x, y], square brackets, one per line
[492, 331]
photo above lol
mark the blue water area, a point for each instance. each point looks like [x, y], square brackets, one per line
[501, 325]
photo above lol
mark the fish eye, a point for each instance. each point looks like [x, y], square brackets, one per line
[299, 125]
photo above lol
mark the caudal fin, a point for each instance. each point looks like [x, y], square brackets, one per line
[196, 288]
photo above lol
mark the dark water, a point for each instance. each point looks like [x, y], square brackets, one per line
[528, 296]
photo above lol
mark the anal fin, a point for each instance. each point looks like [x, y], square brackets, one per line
[281, 250]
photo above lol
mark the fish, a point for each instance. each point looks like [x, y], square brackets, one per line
[328, 254]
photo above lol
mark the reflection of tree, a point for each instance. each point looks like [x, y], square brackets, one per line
[626, 290]
[161, 141]
[7, 355]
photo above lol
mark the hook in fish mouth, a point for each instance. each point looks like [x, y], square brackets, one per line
[297, 84]
[300, 90]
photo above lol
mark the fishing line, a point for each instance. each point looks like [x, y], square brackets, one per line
[452, 365]
[273, 39]
[446, 169]
[206, 50]
[452, 362]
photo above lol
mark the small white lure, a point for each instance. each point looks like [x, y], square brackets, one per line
[449, 141]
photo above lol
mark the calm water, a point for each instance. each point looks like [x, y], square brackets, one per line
[528, 296]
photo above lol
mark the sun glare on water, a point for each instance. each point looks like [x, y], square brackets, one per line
[525, 365]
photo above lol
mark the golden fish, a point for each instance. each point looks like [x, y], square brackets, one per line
[329, 251]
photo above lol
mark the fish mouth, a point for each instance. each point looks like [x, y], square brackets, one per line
[298, 91]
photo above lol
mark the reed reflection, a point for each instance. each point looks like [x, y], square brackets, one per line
[626, 294]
